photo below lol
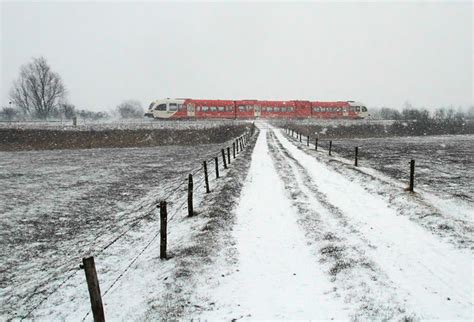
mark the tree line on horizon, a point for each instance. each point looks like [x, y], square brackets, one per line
[39, 93]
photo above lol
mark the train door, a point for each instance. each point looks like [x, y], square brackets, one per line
[257, 111]
[345, 111]
[191, 111]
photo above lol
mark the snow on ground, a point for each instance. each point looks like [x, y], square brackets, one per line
[444, 163]
[433, 278]
[276, 276]
[359, 256]
[303, 236]
[60, 206]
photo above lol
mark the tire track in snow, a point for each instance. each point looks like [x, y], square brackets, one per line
[277, 276]
[367, 291]
[433, 277]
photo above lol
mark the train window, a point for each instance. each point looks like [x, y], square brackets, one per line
[221, 108]
[241, 108]
[180, 107]
[276, 109]
[213, 108]
[230, 108]
[364, 109]
[205, 108]
[173, 107]
[151, 106]
[161, 107]
[290, 109]
[249, 107]
[270, 109]
[357, 108]
[198, 108]
[283, 109]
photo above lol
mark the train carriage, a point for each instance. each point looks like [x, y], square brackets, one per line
[187, 108]
[277, 109]
[210, 109]
[246, 109]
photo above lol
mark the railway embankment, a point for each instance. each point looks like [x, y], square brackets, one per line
[18, 139]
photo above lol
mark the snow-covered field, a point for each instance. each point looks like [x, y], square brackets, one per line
[444, 164]
[287, 233]
[59, 206]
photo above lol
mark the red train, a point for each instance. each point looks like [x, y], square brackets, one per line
[187, 108]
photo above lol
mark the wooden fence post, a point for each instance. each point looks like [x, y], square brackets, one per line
[316, 144]
[300, 137]
[206, 178]
[307, 140]
[223, 159]
[216, 162]
[233, 149]
[228, 155]
[356, 156]
[163, 229]
[94, 289]
[237, 146]
[330, 147]
[412, 175]
[190, 196]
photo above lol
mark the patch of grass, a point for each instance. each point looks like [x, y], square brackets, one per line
[339, 266]
[332, 251]
[444, 227]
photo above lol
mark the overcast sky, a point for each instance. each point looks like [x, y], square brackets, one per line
[383, 54]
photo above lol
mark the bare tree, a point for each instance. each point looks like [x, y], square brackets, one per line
[38, 89]
[130, 109]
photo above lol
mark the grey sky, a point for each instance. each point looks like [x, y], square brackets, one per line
[382, 54]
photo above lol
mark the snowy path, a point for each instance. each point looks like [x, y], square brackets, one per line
[277, 276]
[313, 244]
[433, 278]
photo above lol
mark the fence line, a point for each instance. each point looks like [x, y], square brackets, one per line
[154, 238]
[291, 132]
